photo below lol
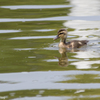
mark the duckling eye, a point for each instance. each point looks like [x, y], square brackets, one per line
[60, 33]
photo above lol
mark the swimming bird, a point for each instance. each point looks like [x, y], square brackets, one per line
[62, 34]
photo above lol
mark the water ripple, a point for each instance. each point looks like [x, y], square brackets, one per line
[36, 6]
[56, 97]
[33, 37]
[62, 18]
[9, 31]
[26, 80]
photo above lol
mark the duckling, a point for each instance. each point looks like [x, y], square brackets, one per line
[62, 34]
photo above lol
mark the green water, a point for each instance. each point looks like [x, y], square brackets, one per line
[31, 64]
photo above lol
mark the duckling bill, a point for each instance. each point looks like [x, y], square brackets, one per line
[62, 34]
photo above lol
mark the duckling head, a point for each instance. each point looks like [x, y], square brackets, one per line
[62, 33]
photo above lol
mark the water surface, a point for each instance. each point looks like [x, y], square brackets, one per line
[31, 64]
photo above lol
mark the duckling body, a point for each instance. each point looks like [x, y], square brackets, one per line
[62, 34]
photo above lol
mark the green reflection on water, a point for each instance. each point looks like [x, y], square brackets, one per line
[13, 60]
[32, 2]
[31, 13]
[85, 78]
[17, 61]
[42, 93]
[32, 25]
[31, 55]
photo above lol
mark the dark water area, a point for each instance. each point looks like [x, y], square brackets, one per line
[32, 66]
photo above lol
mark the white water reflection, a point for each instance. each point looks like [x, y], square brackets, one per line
[44, 30]
[34, 37]
[20, 49]
[83, 28]
[32, 57]
[36, 6]
[87, 54]
[79, 91]
[3, 97]
[44, 98]
[14, 31]
[85, 64]
[80, 24]
[44, 80]
[9, 31]
[56, 60]
[85, 7]
[51, 48]
[89, 30]
[89, 34]
[57, 97]
[62, 18]
[31, 37]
